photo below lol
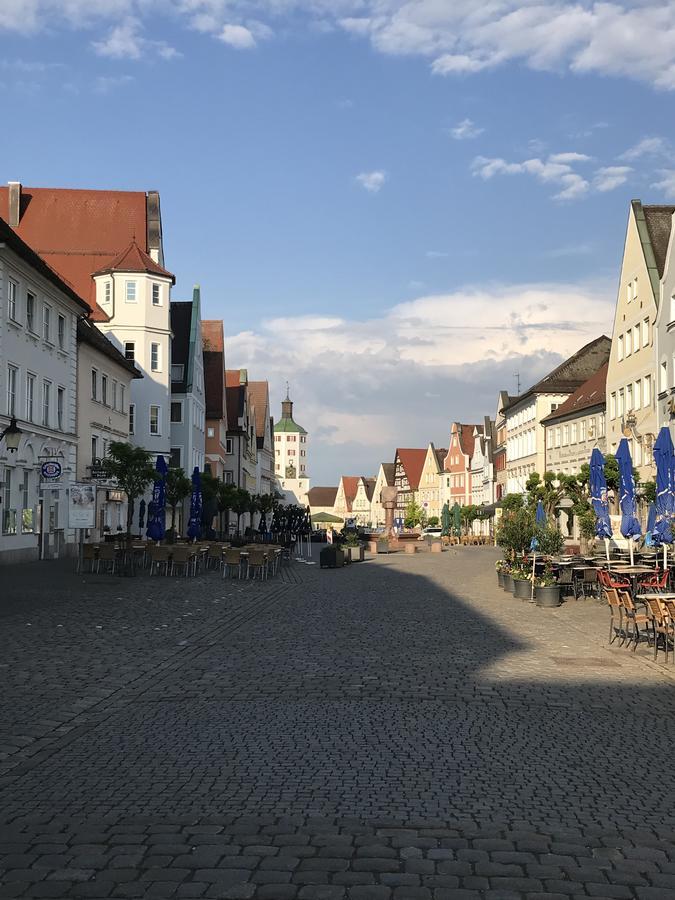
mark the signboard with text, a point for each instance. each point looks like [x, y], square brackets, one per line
[82, 506]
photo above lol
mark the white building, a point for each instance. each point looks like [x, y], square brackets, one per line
[188, 403]
[38, 387]
[291, 459]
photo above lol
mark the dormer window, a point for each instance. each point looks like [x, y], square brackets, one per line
[107, 292]
[156, 296]
[130, 292]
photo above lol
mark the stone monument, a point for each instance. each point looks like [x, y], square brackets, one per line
[388, 500]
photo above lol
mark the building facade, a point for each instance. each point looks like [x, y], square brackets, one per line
[259, 397]
[577, 426]
[665, 334]
[430, 481]
[38, 388]
[385, 478]
[242, 444]
[408, 465]
[635, 375]
[188, 401]
[291, 455]
[483, 484]
[217, 458]
[456, 478]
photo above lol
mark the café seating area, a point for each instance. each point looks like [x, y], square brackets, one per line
[188, 559]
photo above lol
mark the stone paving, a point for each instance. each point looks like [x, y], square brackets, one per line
[401, 729]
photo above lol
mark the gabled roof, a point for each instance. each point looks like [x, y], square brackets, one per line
[321, 496]
[369, 486]
[134, 259]
[412, 461]
[465, 436]
[659, 221]
[181, 319]
[571, 373]
[259, 392]
[440, 456]
[213, 343]
[350, 485]
[591, 393]
[21, 248]
[78, 232]
[88, 333]
[389, 471]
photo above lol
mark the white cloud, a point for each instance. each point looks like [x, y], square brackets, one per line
[373, 182]
[105, 84]
[610, 177]
[666, 183]
[237, 36]
[648, 146]
[126, 42]
[615, 37]
[555, 169]
[466, 130]
[436, 254]
[463, 345]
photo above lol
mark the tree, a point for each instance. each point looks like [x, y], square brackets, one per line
[648, 491]
[226, 494]
[412, 515]
[468, 514]
[551, 489]
[512, 502]
[210, 486]
[240, 504]
[433, 521]
[253, 506]
[178, 487]
[132, 469]
[515, 531]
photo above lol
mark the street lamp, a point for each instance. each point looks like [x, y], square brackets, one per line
[12, 436]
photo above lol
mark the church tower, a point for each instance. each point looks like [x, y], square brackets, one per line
[291, 461]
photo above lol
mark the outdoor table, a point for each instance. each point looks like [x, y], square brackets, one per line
[632, 572]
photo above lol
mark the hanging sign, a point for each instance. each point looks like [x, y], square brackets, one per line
[50, 470]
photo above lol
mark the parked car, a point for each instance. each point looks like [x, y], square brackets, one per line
[431, 533]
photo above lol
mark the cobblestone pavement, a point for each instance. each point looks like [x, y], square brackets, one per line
[400, 729]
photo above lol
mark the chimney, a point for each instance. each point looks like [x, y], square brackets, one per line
[14, 203]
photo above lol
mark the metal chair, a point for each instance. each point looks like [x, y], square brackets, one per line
[615, 609]
[89, 555]
[589, 583]
[108, 556]
[185, 558]
[257, 562]
[662, 625]
[159, 559]
[232, 561]
[565, 580]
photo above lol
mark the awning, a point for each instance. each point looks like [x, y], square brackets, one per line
[326, 517]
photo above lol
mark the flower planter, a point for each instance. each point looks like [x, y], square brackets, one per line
[355, 554]
[507, 582]
[500, 579]
[547, 597]
[331, 558]
[522, 589]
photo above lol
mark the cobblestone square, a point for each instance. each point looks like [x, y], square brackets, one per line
[399, 729]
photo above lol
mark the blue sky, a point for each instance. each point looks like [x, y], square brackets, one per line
[395, 206]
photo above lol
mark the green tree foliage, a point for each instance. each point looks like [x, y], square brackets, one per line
[512, 501]
[225, 499]
[132, 469]
[515, 531]
[413, 514]
[240, 505]
[648, 491]
[433, 521]
[178, 487]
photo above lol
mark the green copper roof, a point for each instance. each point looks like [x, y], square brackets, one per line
[288, 425]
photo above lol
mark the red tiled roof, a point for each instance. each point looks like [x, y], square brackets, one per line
[413, 463]
[78, 232]
[134, 259]
[214, 370]
[591, 393]
[233, 377]
[369, 485]
[213, 338]
[259, 392]
[466, 439]
[350, 484]
[321, 496]
[235, 396]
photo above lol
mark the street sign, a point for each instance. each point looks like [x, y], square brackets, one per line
[97, 469]
[50, 470]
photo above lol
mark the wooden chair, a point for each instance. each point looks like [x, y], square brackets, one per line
[185, 558]
[633, 619]
[89, 555]
[160, 558]
[232, 561]
[669, 610]
[589, 583]
[214, 556]
[257, 562]
[661, 623]
[108, 557]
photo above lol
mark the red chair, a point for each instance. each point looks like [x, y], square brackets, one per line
[657, 582]
[616, 582]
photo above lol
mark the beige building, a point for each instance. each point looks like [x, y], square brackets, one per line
[499, 451]
[664, 335]
[104, 379]
[429, 493]
[385, 478]
[525, 438]
[577, 426]
[634, 377]
[291, 462]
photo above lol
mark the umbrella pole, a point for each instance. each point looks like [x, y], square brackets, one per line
[607, 548]
[665, 556]
[632, 561]
[534, 560]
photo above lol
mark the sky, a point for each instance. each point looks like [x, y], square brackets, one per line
[394, 206]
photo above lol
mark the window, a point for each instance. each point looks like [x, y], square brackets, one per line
[635, 288]
[645, 332]
[566, 435]
[30, 312]
[647, 390]
[229, 476]
[549, 438]
[177, 371]
[176, 411]
[121, 406]
[620, 404]
[629, 292]
[663, 376]
[61, 332]
[104, 389]
[130, 291]
[8, 514]
[132, 417]
[107, 292]
[601, 425]
[672, 308]
[94, 447]
[628, 343]
[113, 399]
[210, 432]
[636, 338]
[60, 404]
[612, 406]
[46, 322]
[228, 445]
[154, 357]
[12, 291]
[619, 351]
[94, 384]
[130, 350]
[154, 420]
[573, 433]
[582, 430]
[637, 453]
[46, 400]
[156, 296]
[27, 525]
[557, 436]
[12, 378]
[30, 397]
[175, 458]
[629, 397]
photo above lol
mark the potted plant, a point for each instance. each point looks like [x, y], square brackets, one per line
[522, 583]
[547, 589]
[353, 547]
[507, 577]
[500, 567]
[332, 557]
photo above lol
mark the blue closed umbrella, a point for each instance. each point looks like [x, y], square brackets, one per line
[651, 522]
[194, 528]
[599, 502]
[540, 516]
[630, 526]
[157, 506]
[664, 457]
